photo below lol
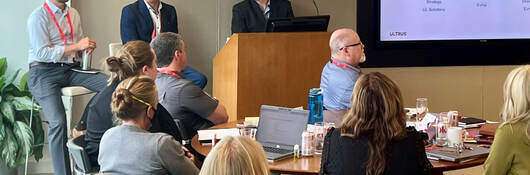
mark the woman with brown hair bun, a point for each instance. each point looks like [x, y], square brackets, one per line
[129, 148]
[373, 139]
[134, 58]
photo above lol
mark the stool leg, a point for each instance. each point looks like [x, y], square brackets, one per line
[30, 122]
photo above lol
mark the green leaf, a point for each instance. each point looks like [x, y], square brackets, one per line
[2, 81]
[2, 129]
[12, 90]
[23, 103]
[24, 83]
[38, 136]
[7, 111]
[3, 66]
[24, 138]
[10, 79]
[9, 149]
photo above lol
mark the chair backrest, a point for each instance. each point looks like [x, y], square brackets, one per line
[76, 147]
[183, 132]
[113, 48]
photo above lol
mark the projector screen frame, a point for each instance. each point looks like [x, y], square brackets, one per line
[433, 52]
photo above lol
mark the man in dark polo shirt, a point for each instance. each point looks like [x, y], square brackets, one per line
[183, 99]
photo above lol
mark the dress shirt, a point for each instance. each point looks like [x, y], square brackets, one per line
[155, 17]
[337, 84]
[45, 42]
[267, 9]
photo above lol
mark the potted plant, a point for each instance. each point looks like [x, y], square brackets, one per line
[17, 139]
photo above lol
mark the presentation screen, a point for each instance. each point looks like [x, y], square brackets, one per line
[420, 20]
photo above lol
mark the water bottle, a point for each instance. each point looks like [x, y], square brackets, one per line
[315, 106]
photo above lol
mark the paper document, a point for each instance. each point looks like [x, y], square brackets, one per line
[219, 133]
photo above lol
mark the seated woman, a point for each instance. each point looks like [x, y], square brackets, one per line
[134, 58]
[236, 156]
[373, 139]
[129, 148]
[510, 152]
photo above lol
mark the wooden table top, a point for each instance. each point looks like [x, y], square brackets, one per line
[311, 165]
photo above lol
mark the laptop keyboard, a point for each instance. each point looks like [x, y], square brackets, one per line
[276, 150]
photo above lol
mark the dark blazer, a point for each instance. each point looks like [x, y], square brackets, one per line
[247, 16]
[347, 155]
[136, 22]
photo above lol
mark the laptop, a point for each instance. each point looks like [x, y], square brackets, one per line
[279, 129]
[450, 154]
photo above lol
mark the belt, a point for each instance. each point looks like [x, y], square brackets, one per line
[33, 64]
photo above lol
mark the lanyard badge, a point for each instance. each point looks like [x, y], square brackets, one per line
[57, 23]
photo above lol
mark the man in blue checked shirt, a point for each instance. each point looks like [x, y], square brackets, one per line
[56, 38]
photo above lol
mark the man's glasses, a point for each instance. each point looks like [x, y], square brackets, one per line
[351, 45]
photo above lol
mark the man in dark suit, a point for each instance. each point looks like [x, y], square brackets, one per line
[252, 15]
[145, 19]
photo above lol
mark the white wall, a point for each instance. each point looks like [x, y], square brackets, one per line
[14, 41]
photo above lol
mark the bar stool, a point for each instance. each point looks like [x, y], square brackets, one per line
[75, 99]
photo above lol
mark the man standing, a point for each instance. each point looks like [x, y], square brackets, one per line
[341, 72]
[252, 15]
[145, 19]
[55, 38]
[183, 99]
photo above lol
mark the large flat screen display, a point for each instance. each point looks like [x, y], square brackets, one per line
[420, 20]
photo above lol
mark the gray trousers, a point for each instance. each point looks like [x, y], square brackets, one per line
[45, 83]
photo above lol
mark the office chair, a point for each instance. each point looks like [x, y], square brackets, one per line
[76, 147]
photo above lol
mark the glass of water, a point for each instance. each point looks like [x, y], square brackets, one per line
[320, 132]
[421, 108]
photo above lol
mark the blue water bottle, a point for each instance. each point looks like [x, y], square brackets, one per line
[315, 106]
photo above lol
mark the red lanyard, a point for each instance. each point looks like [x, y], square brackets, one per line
[339, 64]
[57, 24]
[153, 35]
[164, 71]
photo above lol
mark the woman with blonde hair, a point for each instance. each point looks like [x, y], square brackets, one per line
[373, 139]
[134, 58]
[129, 148]
[236, 156]
[510, 152]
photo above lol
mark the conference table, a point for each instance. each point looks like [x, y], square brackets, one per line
[311, 164]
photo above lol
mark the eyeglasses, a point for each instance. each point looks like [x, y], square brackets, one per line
[351, 45]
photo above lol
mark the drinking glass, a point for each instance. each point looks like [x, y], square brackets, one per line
[421, 108]
[441, 124]
[248, 132]
[453, 118]
[320, 132]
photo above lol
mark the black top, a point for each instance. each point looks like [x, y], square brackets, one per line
[347, 155]
[99, 120]
[248, 17]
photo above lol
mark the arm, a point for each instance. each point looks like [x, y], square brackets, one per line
[219, 115]
[173, 158]
[128, 25]
[290, 13]
[238, 22]
[500, 158]
[199, 102]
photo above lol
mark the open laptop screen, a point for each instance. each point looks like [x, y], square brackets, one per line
[281, 127]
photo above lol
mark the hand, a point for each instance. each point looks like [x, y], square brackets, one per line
[189, 155]
[76, 133]
[86, 44]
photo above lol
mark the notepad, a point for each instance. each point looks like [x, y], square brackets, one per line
[206, 136]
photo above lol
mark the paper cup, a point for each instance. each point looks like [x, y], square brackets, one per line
[454, 136]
